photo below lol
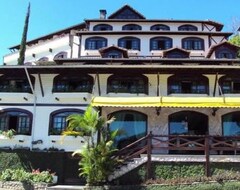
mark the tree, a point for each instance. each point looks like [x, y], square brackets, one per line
[235, 40]
[97, 161]
[24, 39]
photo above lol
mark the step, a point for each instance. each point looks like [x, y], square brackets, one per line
[66, 187]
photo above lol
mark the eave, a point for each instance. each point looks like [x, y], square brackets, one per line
[48, 36]
[140, 32]
[227, 67]
[218, 25]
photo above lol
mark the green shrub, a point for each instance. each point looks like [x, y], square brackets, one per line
[231, 186]
[30, 177]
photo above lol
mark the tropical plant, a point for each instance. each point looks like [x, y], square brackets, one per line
[97, 161]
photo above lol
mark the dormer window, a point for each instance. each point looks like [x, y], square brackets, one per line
[61, 55]
[160, 27]
[43, 59]
[102, 27]
[160, 43]
[130, 43]
[95, 43]
[187, 27]
[131, 27]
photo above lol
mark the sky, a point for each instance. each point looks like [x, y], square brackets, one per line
[48, 16]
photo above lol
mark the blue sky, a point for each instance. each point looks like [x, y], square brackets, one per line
[48, 16]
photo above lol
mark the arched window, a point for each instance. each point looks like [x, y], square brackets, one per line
[43, 59]
[131, 43]
[188, 123]
[95, 43]
[131, 27]
[161, 27]
[187, 27]
[58, 121]
[113, 54]
[193, 43]
[225, 54]
[197, 84]
[73, 83]
[229, 84]
[17, 119]
[127, 84]
[15, 83]
[160, 43]
[231, 124]
[61, 55]
[102, 27]
[132, 124]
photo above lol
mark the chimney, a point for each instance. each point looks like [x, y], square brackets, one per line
[103, 14]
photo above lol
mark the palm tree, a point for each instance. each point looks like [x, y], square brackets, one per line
[97, 161]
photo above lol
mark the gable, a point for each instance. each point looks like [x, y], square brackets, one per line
[176, 53]
[126, 12]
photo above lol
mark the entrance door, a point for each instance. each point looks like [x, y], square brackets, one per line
[188, 123]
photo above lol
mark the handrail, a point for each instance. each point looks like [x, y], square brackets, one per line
[181, 144]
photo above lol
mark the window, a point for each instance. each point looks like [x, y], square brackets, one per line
[229, 84]
[12, 83]
[160, 43]
[72, 83]
[129, 43]
[188, 123]
[187, 28]
[102, 27]
[133, 126]
[188, 84]
[95, 43]
[113, 54]
[58, 121]
[225, 54]
[193, 44]
[61, 55]
[231, 124]
[160, 27]
[43, 59]
[131, 27]
[127, 84]
[16, 119]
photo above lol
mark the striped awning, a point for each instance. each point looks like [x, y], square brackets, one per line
[181, 102]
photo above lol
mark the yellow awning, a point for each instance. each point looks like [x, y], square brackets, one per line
[126, 101]
[184, 102]
[201, 102]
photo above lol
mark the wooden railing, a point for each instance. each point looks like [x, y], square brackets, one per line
[180, 144]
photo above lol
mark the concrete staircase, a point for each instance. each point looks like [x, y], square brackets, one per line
[127, 167]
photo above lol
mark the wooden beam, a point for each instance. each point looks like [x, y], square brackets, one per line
[158, 83]
[207, 163]
[99, 89]
[41, 86]
[215, 85]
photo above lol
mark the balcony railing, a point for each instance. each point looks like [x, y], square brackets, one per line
[181, 144]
